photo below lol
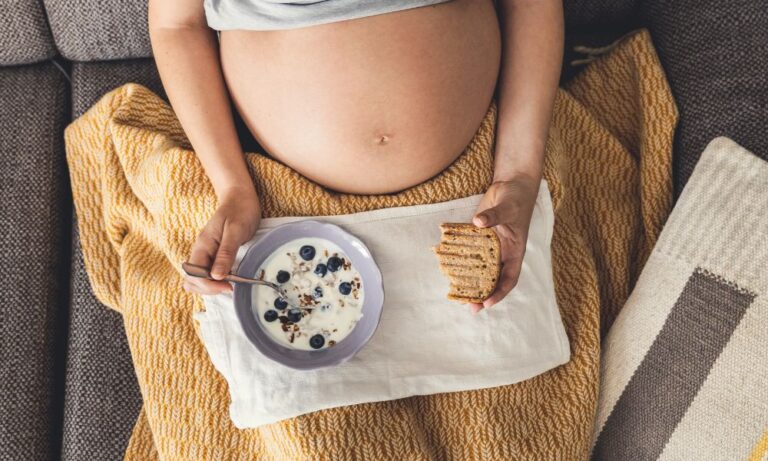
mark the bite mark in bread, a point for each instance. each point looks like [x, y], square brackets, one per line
[471, 258]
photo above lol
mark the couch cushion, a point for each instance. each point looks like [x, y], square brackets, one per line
[90, 81]
[715, 54]
[102, 399]
[593, 14]
[89, 30]
[24, 33]
[102, 396]
[34, 225]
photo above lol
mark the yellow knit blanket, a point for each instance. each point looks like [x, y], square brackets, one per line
[142, 197]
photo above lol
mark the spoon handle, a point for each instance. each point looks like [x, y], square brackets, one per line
[193, 270]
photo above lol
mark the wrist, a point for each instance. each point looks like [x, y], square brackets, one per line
[528, 173]
[517, 175]
[519, 164]
[230, 181]
[230, 178]
[242, 190]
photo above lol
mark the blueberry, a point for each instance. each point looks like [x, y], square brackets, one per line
[345, 288]
[334, 263]
[270, 315]
[321, 269]
[307, 252]
[280, 304]
[317, 341]
[294, 315]
[283, 276]
[318, 292]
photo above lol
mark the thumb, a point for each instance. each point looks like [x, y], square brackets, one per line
[225, 255]
[487, 218]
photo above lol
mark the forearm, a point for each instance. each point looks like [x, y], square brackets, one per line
[532, 34]
[188, 62]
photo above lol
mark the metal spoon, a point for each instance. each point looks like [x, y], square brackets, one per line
[193, 270]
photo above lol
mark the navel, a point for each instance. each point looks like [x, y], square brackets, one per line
[383, 139]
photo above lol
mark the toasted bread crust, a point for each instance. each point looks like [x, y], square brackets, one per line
[471, 258]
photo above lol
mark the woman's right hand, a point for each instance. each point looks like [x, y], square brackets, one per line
[234, 223]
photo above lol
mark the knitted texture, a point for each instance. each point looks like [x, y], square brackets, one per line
[142, 197]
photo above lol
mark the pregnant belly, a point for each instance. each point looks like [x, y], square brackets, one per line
[370, 105]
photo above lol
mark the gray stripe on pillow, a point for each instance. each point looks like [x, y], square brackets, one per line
[671, 373]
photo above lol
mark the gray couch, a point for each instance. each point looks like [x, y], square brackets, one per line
[67, 387]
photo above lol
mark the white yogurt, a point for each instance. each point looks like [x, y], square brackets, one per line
[332, 315]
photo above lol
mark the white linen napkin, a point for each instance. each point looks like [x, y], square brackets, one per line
[425, 344]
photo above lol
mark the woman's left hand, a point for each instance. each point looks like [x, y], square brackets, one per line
[507, 207]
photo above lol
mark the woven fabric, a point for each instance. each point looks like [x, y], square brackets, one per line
[683, 367]
[24, 33]
[101, 399]
[93, 30]
[142, 197]
[598, 13]
[34, 227]
[715, 55]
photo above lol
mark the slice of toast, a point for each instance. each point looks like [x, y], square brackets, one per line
[471, 258]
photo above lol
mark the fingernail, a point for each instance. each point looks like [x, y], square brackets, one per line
[482, 219]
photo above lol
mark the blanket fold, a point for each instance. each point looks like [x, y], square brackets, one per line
[141, 198]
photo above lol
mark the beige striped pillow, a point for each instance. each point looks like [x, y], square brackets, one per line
[684, 372]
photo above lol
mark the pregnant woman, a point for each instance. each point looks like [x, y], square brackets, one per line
[364, 97]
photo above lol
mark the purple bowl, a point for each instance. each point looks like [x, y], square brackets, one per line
[362, 260]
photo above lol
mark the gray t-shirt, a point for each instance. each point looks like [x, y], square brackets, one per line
[289, 14]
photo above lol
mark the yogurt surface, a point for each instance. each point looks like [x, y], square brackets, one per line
[325, 294]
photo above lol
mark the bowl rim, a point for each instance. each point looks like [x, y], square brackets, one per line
[295, 358]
